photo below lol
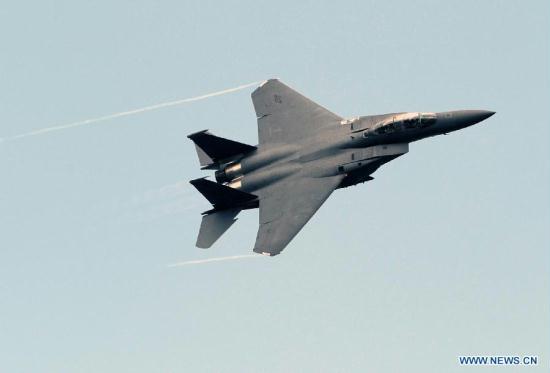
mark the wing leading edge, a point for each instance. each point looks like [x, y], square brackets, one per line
[287, 207]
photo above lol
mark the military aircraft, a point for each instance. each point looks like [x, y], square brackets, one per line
[305, 152]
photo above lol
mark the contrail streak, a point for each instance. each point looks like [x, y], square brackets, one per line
[129, 112]
[219, 259]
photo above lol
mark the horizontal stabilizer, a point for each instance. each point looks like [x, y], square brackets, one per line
[221, 196]
[213, 149]
[214, 225]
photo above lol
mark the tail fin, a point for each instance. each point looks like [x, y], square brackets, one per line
[214, 225]
[223, 197]
[213, 149]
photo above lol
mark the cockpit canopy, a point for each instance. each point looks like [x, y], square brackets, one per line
[405, 121]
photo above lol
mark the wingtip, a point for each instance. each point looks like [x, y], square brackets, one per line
[195, 134]
[265, 253]
[262, 84]
[196, 181]
[269, 80]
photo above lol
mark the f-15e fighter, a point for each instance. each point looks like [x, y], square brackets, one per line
[305, 152]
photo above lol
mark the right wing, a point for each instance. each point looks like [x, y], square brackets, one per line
[286, 116]
[287, 206]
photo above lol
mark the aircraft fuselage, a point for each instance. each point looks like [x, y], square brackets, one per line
[356, 149]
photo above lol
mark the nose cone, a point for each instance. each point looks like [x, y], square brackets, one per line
[469, 117]
[455, 120]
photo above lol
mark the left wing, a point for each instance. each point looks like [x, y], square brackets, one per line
[287, 206]
[286, 116]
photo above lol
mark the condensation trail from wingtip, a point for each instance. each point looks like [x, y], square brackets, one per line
[219, 259]
[129, 112]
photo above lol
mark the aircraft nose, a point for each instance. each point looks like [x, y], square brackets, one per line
[466, 118]
[454, 120]
[476, 116]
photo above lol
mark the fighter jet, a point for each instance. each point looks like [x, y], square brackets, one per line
[305, 152]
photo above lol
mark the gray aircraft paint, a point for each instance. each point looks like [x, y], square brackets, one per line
[305, 152]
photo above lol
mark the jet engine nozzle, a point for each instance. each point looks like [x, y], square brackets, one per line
[229, 173]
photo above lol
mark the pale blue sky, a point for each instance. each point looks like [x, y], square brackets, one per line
[445, 253]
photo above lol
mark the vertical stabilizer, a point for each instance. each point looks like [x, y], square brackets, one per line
[221, 196]
[204, 159]
[212, 149]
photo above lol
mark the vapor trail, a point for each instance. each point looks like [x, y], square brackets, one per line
[129, 112]
[219, 259]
